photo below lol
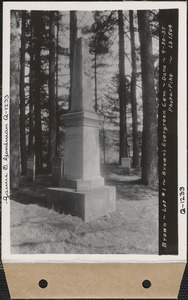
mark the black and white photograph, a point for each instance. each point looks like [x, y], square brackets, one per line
[91, 161]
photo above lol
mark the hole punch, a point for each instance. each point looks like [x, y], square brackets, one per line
[146, 284]
[43, 283]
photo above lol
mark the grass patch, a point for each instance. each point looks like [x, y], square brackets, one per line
[131, 229]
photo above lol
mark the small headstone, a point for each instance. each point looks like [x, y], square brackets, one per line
[31, 167]
[126, 164]
[57, 170]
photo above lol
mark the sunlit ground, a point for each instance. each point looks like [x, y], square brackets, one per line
[131, 229]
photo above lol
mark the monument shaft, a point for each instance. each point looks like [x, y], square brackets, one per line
[81, 191]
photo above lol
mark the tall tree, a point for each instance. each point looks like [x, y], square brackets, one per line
[133, 94]
[31, 87]
[122, 89]
[149, 137]
[22, 97]
[52, 97]
[38, 25]
[73, 37]
[57, 81]
[99, 43]
[101, 31]
[14, 103]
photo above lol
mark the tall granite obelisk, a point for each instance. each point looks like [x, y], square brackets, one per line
[81, 191]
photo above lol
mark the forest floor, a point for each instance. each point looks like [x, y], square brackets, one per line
[131, 229]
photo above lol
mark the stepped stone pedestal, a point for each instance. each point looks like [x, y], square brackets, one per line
[88, 205]
[81, 190]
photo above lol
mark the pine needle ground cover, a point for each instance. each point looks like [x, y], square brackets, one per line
[131, 229]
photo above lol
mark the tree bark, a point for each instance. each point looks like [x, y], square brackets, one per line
[52, 98]
[73, 37]
[22, 97]
[14, 104]
[57, 69]
[133, 95]
[149, 137]
[122, 98]
[36, 91]
[31, 87]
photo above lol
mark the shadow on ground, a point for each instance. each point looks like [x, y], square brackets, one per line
[32, 192]
[35, 192]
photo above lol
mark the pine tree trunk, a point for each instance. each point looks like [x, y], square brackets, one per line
[14, 103]
[133, 95]
[122, 98]
[22, 98]
[57, 67]
[36, 91]
[52, 98]
[95, 70]
[73, 37]
[149, 137]
[31, 87]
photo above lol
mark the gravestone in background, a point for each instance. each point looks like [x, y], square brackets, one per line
[81, 191]
[57, 170]
[31, 167]
[126, 165]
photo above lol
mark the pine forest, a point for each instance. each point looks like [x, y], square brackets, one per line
[124, 72]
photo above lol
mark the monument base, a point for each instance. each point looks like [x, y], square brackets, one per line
[81, 184]
[88, 205]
